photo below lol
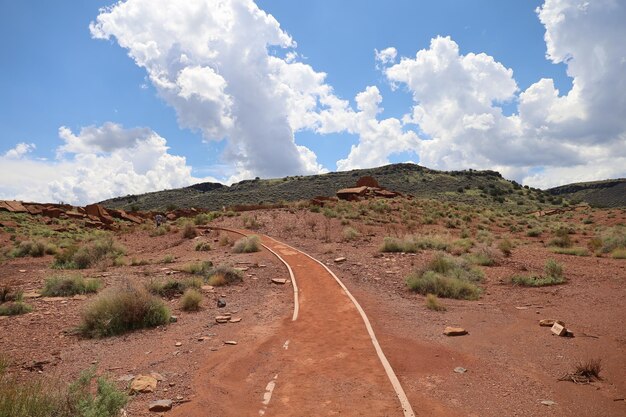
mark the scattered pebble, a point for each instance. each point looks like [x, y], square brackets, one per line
[460, 370]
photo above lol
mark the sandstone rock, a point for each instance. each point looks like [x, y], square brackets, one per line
[235, 319]
[221, 303]
[550, 322]
[12, 206]
[173, 319]
[178, 344]
[33, 209]
[52, 212]
[279, 280]
[207, 288]
[548, 402]
[96, 210]
[222, 319]
[160, 406]
[559, 330]
[143, 383]
[340, 259]
[460, 370]
[230, 342]
[454, 331]
[74, 215]
[8, 223]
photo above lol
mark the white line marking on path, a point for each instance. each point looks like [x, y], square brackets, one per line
[267, 396]
[395, 382]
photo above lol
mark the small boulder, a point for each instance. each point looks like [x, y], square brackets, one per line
[221, 303]
[143, 383]
[559, 330]
[454, 331]
[160, 406]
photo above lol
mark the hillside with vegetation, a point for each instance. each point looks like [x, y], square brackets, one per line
[608, 193]
[461, 186]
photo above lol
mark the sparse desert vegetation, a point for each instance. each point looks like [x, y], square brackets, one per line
[120, 310]
[460, 264]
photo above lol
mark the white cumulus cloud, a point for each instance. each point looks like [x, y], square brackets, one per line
[99, 162]
[213, 61]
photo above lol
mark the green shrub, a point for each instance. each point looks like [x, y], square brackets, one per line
[443, 286]
[553, 275]
[121, 310]
[224, 275]
[350, 233]
[199, 268]
[189, 231]
[168, 259]
[506, 247]
[64, 286]
[447, 277]
[14, 308]
[191, 299]
[247, 244]
[392, 244]
[171, 288]
[35, 249]
[576, 251]
[47, 397]
[613, 238]
[99, 250]
[484, 256]
[432, 303]
[203, 247]
[561, 239]
[619, 253]
[553, 269]
[160, 231]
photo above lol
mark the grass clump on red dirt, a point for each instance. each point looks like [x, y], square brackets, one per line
[584, 372]
[191, 300]
[224, 275]
[35, 249]
[553, 275]
[433, 303]
[121, 310]
[39, 397]
[171, 288]
[247, 244]
[447, 277]
[99, 250]
[64, 286]
[189, 231]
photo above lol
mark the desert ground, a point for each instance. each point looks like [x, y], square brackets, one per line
[506, 364]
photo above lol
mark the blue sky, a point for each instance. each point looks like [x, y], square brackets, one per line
[59, 73]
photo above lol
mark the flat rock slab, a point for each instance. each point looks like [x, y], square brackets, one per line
[340, 259]
[230, 342]
[160, 406]
[222, 319]
[143, 383]
[550, 322]
[454, 331]
[235, 319]
[279, 281]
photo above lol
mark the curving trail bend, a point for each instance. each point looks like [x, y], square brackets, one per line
[323, 361]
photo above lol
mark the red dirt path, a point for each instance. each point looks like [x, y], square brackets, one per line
[329, 368]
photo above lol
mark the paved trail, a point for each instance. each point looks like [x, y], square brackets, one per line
[321, 364]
